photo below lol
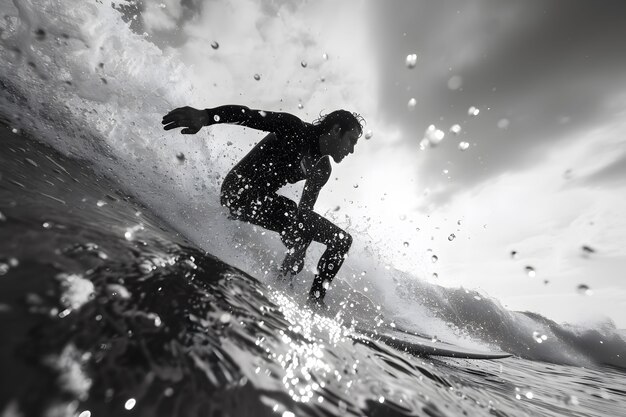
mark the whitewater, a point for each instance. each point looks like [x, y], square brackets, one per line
[123, 278]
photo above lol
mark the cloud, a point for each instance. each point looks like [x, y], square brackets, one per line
[549, 71]
[546, 217]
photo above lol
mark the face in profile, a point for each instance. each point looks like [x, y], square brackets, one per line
[343, 144]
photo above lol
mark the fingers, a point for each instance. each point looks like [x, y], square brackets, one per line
[175, 115]
[171, 117]
[180, 117]
[177, 122]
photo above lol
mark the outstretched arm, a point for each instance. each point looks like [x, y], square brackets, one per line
[192, 120]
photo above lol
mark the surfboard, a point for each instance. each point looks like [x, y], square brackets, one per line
[423, 346]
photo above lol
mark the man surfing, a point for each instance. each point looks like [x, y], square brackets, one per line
[292, 151]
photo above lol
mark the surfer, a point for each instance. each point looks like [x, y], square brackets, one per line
[292, 151]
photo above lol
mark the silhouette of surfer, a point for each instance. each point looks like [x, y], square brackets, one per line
[292, 151]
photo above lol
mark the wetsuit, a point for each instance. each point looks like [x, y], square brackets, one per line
[288, 154]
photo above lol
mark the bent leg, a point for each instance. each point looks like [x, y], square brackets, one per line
[337, 242]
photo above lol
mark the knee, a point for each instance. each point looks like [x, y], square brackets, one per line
[343, 241]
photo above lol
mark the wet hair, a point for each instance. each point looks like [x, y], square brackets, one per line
[345, 119]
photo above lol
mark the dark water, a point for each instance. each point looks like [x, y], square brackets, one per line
[106, 311]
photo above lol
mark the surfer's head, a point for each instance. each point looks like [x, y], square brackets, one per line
[345, 119]
[339, 133]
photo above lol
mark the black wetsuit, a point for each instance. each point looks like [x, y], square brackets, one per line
[290, 153]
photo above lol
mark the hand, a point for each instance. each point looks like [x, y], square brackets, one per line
[191, 119]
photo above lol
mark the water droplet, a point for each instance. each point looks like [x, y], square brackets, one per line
[47, 225]
[300, 106]
[530, 271]
[325, 56]
[451, 237]
[514, 254]
[435, 275]
[130, 403]
[225, 318]
[117, 291]
[343, 407]
[503, 123]
[473, 111]
[156, 319]
[588, 250]
[432, 136]
[411, 61]
[3, 218]
[180, 156]
[40, 34]
[463, 146]
[584, 289]
[30, 161]
[356, 185]
[411, 104]
[529, 395]
[257, 77]
[434, 339]
[456, 129]
[406, 244]
[539, 338]
[368, 135]
[381, 399]
[215, 45]
[434, 258]
[288, 414]
[326, 284]
[571, 400]
[216, 118]
[455, 82]
[304, 64]
[100, 203]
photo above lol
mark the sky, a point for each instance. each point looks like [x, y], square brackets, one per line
[535, 92]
